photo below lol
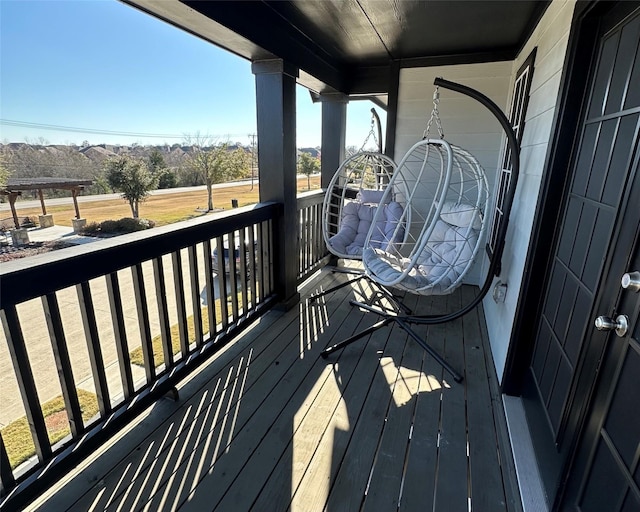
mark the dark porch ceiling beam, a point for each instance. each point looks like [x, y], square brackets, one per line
[369, 80]
[497, 55]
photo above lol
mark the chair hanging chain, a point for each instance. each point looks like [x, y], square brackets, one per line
[435, 116]
[372, 133]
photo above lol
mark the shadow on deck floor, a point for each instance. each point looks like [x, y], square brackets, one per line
[270, 425]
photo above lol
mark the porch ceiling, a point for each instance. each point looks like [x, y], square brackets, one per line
[350, 45]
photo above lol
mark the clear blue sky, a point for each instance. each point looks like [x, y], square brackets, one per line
[106, 67]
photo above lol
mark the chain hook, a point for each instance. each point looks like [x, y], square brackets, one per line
[435, 116]
[372, 133]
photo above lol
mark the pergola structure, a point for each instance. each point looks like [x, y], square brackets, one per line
[15, 187]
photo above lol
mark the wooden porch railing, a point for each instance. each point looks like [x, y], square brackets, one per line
[166, 297]
[313, 251]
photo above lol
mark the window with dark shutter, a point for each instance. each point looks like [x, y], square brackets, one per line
[518, 110]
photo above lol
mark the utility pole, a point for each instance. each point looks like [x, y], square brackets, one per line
[252, 136]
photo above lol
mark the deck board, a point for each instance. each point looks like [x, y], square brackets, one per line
[451, 480]
[383, 489]
[422, 458]
[270, 425]
[485, 469]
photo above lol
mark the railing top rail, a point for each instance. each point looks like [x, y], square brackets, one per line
[59, 269]
[310, 198]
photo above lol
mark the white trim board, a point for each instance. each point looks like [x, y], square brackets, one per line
[531, 490]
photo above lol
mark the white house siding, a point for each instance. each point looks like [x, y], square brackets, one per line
[550, 37]
[465, 122]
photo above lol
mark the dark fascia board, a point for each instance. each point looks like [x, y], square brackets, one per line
[314, 84]
[315, 73]
[376, 99]
[184, 18]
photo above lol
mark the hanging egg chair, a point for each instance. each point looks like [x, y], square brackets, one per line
[354, 196]
[443, 221]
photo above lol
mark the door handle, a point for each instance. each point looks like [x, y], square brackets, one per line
[620, 325]
[631, 281]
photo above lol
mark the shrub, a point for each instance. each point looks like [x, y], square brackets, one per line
[117, 227]
[109, 226]
[28, 222]
[92, 228]
[129, 225]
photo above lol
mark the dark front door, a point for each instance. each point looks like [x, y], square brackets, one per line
[593, 247]
[606, 474]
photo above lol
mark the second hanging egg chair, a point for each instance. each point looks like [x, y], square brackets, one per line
[358, 192]
[354, 196]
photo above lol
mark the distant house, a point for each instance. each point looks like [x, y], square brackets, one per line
[314, 152]
[97, 153]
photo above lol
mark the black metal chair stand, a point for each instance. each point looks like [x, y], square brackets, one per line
[381, 290]
[404, 324]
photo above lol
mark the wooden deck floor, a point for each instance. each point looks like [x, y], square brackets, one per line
[270, 426]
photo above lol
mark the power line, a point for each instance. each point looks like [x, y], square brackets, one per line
[26, 124]
[75, 129]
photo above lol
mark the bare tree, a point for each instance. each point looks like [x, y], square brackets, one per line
[214, 162]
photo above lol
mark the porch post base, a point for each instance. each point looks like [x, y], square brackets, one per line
[172, 394]
[20, 237]
[45, 221]
[287, 304]
[78, 224]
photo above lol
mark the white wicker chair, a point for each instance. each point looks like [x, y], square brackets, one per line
[443, 220]
[358, 185]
